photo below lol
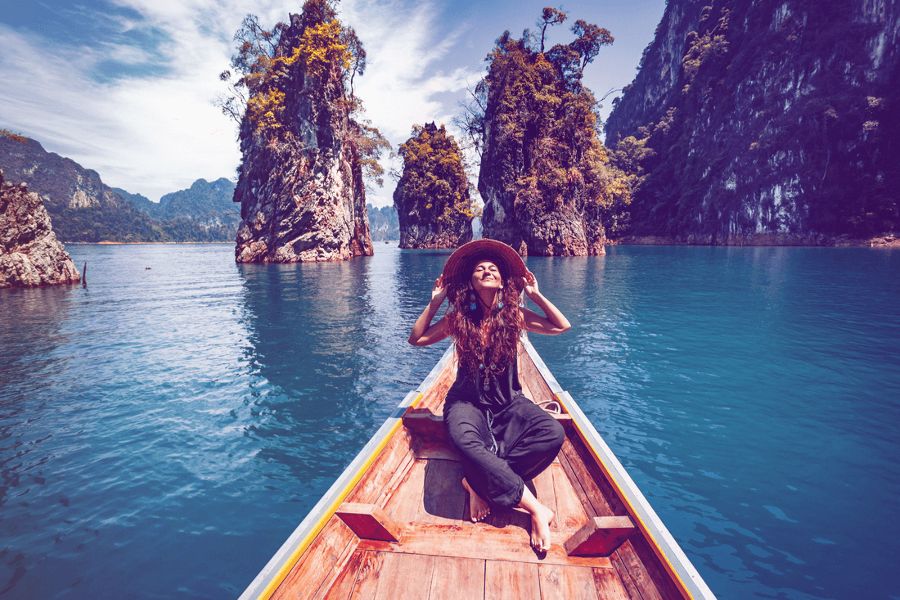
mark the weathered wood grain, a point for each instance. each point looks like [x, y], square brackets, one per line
[480, 541]
[570, 583]
[457, 579]
[318, 562]
[505, 580]
[608, 584]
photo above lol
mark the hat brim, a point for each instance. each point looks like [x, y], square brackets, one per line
[456, 266]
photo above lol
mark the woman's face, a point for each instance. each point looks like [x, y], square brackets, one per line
[486, 275]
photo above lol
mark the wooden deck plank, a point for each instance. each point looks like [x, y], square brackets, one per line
[628, 582]
[391, 486]
[628, 560]
[381, 472]
[511, 580]
[571, 583]
[404, 577]
[528, 373]
[545, 493]
[405, 504]
[367, 578]
[608, 584]
[443, 496]
[588, 491]
[570, 513]
[318, 562]
[434, 396]
[591, 474]
[655, 569]
[480, 541]
[457, 579]
[342, 586]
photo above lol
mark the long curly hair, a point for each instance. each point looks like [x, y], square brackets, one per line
[497, 347]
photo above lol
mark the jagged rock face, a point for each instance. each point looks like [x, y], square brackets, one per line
[83, 208]
[301, 189]
[545, 177]
[432, 196]
[30, 254]
[774, 122]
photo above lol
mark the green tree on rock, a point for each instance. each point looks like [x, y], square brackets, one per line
[432, 195]
[547, 181]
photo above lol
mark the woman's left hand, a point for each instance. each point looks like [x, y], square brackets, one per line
[531, 285]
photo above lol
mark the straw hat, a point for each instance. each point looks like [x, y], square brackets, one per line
[459, 266]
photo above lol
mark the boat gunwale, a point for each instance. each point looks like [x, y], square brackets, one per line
[277, 568]
[661, 540]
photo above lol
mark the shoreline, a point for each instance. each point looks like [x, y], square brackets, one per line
[761, 240]
[111, 243]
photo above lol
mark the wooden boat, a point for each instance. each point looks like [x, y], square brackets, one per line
[395, 523]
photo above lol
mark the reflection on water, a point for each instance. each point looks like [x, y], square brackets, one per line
[163, 431]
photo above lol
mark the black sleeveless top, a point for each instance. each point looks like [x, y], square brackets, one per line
[489, 391]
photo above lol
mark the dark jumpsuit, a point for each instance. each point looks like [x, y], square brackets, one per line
[505, 439]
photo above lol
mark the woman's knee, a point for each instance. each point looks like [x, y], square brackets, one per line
[466, 427]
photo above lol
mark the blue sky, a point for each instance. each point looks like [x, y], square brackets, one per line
[126, 87]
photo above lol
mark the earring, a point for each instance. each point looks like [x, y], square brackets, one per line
[472, 304]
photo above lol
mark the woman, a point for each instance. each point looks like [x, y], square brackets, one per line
[504, 438]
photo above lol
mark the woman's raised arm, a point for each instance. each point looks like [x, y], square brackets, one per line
[423, 332]
[553, 322]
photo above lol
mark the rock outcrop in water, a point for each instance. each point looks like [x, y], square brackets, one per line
[546, 179]
[432, 196]
[301, 179]
[30, 254]
[773, 122]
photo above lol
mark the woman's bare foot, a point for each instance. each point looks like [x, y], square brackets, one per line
[478, 508]
[540, 528]
[541, 517]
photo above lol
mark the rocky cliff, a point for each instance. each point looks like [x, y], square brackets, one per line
[300, 182]
[83, 208]
[546, 179]
[30, 254]
[766, 121]
[432, 195]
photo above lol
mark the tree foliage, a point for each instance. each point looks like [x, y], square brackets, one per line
[264, 59]
[270, 67]
[433, 187]
[543, 120]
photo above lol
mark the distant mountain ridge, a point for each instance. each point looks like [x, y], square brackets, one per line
[384, 223]
[202, 212]
[84, 209]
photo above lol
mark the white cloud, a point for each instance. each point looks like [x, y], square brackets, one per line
[156, 134]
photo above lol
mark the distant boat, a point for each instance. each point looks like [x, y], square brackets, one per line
[394, 524]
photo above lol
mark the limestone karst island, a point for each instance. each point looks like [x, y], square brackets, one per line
[450, 299]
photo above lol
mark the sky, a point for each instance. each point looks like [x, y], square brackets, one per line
[127, 87]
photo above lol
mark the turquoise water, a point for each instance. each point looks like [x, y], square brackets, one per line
[164, 430]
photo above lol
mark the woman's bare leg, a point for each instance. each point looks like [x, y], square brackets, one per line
[478, 508]
[540, 520]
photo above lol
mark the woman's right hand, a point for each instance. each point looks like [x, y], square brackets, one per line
[439, 291]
